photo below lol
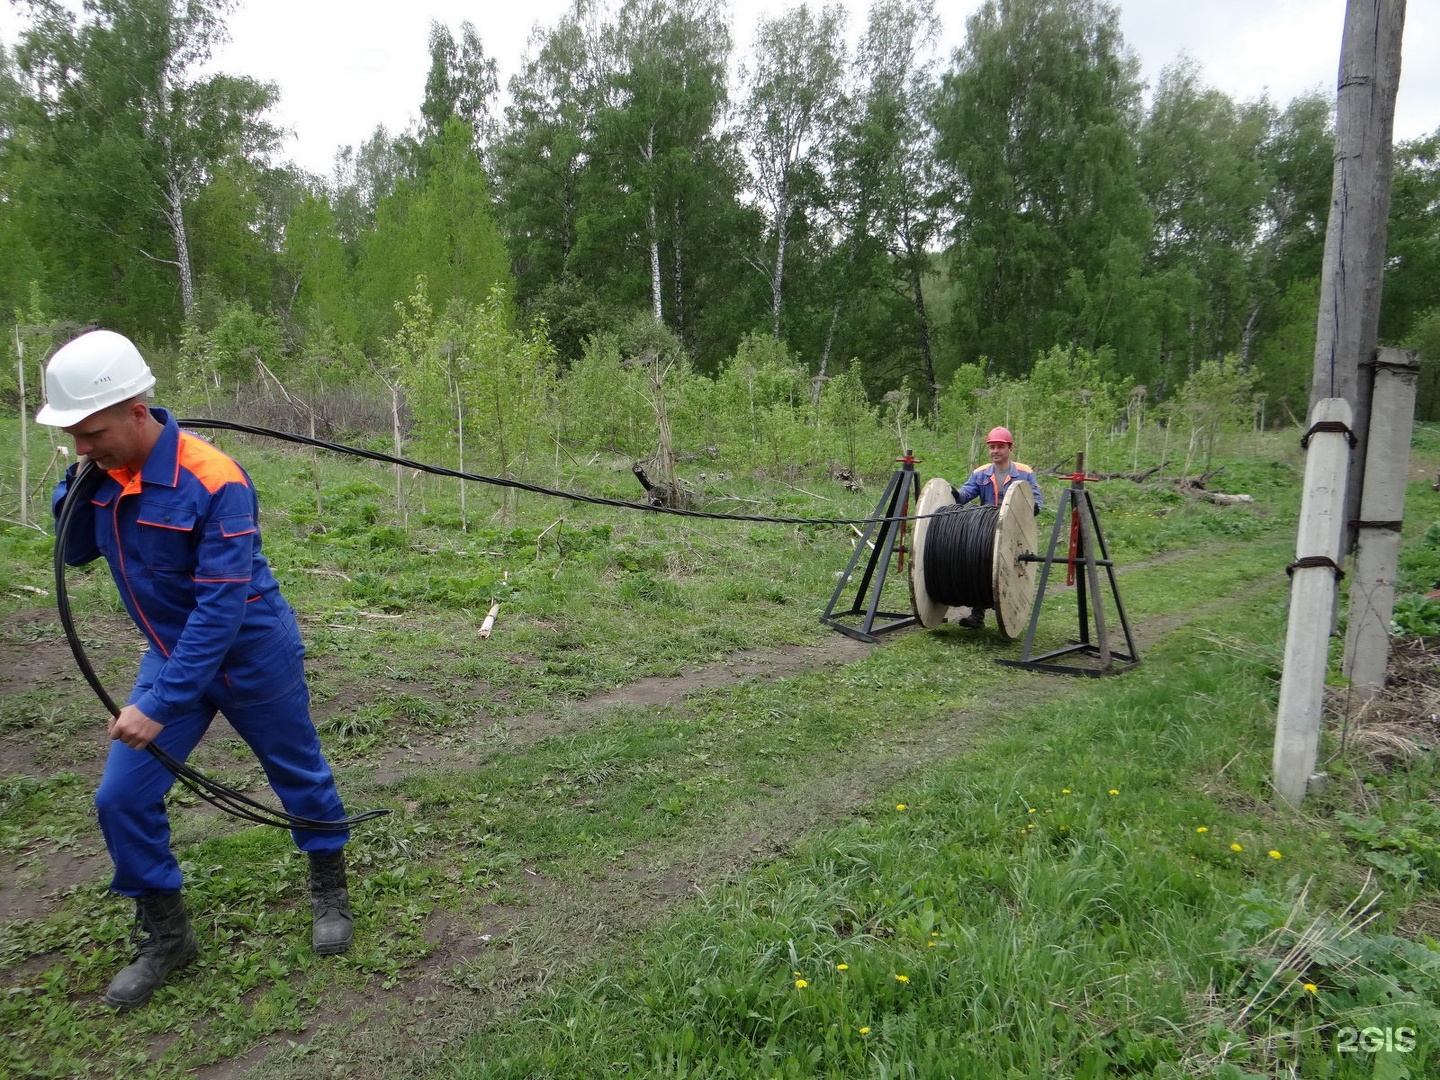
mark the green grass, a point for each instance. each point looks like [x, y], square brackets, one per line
[1111, 938]
[1065, 900]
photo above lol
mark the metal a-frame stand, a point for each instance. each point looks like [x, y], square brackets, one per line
[1086, 538]
[887, 527]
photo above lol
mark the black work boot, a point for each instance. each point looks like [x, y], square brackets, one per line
[334, 926]
[163, 943]
[974, 621]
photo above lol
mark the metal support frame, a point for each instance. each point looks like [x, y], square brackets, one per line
[887, 526]
[1083, 520]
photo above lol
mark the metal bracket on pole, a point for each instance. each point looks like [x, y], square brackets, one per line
[1086, 539]
[885, 537]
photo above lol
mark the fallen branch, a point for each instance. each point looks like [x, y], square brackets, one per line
[1219, 498]
[325, 573]
[489, 623]
[1137, 477]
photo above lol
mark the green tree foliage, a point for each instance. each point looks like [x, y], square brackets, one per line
[1035, 123]
[475, 385]
[1218, 397]
[462, 82]
[846, 409]
[122, 130]
[320, 307]
[441, 229]
[1203, 170]
[1412, 277]
[792, 110]
[885, 191]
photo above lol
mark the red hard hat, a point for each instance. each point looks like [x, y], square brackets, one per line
[1000, 434]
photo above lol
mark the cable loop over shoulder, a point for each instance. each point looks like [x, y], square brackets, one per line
[1328, 425]
[1312, 561]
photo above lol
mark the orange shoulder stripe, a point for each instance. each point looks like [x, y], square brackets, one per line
[213, 468]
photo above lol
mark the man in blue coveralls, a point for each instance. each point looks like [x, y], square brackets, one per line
[989, 484]
[176, 520]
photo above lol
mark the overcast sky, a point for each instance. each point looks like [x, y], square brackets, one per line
[344, 66]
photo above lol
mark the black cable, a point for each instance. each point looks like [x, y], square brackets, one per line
[499, 481]
[221, 796]
[959, 556]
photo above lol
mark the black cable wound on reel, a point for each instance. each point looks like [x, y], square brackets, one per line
[235, 803]
[960, 548]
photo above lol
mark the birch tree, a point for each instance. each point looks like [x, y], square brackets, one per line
[131, 127]
[793, 99]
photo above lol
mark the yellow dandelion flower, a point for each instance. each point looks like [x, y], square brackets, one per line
[1275, 854]
[1114, 791]
[934, 933]
[1029, 827]
[1311, 988]
[902, 978]
[842, 967]
[929, 944]
[1064, 791]
[795, 973]
[864, 1031]
[1202, 829]
[1031, 810]
[900, 806]
[1236, 847]
[800, 984]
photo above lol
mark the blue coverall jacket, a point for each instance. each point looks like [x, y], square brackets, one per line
[183, 546]
[990, 489]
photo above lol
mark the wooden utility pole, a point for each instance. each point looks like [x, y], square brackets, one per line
[1345, 334]
[1350, 278]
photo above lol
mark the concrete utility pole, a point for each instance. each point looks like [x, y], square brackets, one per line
[1355, 233]
[1313, 590]
[1382, 507]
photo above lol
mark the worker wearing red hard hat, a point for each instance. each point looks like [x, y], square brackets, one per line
[989, 484]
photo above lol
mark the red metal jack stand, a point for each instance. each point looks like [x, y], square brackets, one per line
[1083, 520]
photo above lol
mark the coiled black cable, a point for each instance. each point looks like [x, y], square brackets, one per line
[221, 796]
[959, 556]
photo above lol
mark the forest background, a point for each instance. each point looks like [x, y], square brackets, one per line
[808, 236]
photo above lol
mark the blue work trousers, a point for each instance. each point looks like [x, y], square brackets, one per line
[267, 702]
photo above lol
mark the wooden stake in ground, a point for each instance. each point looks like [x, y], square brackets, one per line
[24, 429]
[1382, 506]
[1313, 588]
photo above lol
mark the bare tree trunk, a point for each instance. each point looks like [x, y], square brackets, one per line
[655, 288]
[678, 274]
[175, 197]
[1350, 278]
[782, 214]
[927, 359]
[818, 383]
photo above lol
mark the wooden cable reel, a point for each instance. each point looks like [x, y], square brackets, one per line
[1011, 580]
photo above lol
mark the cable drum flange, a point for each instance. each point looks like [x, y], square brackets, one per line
[973, 556]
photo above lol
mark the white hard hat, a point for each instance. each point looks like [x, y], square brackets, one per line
[96, 370]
